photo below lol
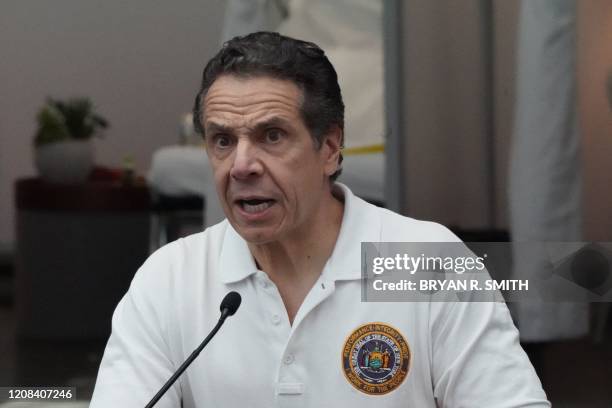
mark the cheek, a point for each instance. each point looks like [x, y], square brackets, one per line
[220, 183]
[220, 174]
[306, 175]
[306, 160]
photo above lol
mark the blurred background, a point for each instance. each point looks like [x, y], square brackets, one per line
[492, 117]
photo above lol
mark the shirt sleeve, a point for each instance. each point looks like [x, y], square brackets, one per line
[477, 359]
[136, 362]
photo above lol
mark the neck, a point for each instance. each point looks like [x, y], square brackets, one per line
[300, 258]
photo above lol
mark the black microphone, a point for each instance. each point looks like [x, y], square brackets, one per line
[229, 305]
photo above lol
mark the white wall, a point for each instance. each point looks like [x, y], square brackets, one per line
[140, 61]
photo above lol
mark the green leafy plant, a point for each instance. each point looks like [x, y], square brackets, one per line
[73, 119]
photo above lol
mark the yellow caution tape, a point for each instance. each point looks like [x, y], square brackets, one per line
[370, 149]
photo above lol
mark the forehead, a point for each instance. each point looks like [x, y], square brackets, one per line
[231, 96]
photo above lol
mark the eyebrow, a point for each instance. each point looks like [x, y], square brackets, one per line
[213, 127]
[276, 121]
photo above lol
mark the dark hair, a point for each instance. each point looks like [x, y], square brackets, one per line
[277, 56]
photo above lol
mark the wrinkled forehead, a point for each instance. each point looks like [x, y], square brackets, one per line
[231, 96]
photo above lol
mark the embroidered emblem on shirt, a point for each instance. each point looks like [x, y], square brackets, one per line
[376, 358]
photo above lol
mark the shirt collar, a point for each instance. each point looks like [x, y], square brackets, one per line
[360, 223]
[236, 261]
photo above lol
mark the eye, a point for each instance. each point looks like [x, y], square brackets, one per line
[274, 135]
[221, 141]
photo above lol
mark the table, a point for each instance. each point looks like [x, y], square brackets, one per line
[78, 248]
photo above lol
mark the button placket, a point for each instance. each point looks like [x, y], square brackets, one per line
[274, 304]
[276, 319]
[289, 359]
[272, 308]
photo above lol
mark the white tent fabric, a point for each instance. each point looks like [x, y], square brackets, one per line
[350, 32]
[247, 16]
[545, 171]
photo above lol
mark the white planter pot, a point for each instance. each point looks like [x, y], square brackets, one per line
[66, 162]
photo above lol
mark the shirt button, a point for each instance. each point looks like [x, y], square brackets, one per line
[276, 319]
[289, 358]
[264, 284]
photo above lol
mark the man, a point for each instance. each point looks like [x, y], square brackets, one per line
[271, 112]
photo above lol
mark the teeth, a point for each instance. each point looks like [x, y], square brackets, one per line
[255, 208]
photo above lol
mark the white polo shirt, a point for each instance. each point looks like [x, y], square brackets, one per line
[339, 352]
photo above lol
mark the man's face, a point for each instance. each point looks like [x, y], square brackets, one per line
[269, 176]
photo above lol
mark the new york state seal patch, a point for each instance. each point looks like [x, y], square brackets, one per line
[376, 358]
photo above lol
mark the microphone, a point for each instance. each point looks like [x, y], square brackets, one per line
[229, 305]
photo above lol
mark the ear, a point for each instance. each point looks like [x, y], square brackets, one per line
[332, 145]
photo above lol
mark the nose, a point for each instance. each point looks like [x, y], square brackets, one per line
[247, 162]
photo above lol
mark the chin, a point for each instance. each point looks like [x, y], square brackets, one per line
[255, 235]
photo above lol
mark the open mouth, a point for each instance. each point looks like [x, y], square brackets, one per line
[255, 205]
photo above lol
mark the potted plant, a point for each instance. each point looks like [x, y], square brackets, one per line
[63, 150]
